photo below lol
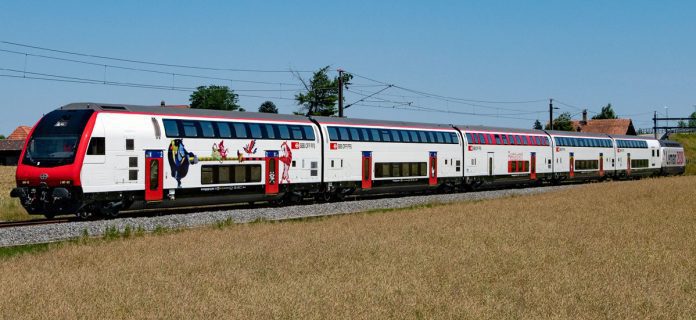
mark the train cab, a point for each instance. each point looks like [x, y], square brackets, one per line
[671, 157]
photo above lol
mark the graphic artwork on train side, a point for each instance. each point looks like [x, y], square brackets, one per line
[286, 159]
[180, 159]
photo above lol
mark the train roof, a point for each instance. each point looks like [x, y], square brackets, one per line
[619, 136]
[670, 143]
[498, 129]
[159, 110]
[577, 134]
[385, 123]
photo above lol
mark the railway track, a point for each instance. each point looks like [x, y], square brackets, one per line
[11, 224]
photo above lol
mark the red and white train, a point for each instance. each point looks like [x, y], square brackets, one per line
[98, 159]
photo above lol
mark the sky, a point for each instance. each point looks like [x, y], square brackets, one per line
[497, 62]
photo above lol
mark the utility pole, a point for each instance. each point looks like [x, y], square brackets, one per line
[655, 124]
[551, 113]
[340, 93]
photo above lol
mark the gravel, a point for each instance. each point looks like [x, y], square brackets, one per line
[63, 231]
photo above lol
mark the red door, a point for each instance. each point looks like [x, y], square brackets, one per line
[532, 167]
[601, 165]
[628, 165]
[572, 164]
[367, 169]
[432, 168]
[272, 172]
[153, 175]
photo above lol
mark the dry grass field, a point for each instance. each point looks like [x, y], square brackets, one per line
[10, 209]
[606, 250]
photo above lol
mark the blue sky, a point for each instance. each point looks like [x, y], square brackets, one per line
[638, 55]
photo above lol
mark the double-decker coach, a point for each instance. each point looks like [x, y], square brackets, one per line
[672, 159]
[636, 156]
[369, 156]
[99, 158]
[505, 156]
[582, 156]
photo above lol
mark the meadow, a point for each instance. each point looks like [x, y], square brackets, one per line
[602, 250]
[10, 209]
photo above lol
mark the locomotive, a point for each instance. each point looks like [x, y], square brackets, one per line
[92, 159]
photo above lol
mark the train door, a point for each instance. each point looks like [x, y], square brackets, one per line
[532, 167]
[432, 168]
[628, 164]
[601, 164]
[271, 172]
[490, 164]
[153, 175]
[572, 164]
[367, 169]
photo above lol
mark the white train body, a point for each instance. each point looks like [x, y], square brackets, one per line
[98, 159]
[505, 155]
[365, 155]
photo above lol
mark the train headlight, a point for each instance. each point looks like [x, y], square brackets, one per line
[24, 182]
[65, 182]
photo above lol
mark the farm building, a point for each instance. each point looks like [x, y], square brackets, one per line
[11, 147]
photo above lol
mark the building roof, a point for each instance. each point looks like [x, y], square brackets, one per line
[21, 133]
[11, 145]
[607, 126]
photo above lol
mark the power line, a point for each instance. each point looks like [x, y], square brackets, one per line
[148, 62]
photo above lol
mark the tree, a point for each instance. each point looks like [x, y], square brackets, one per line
[606, 113]
[692, 122]
[682, 124]
[562, 123]
[322, 93]
[268, 107]
[537, 125]
[215, 97]
[2, 137]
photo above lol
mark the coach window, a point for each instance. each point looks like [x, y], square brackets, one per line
[343, 134]
[130, 144]
[395, 136]
[354, 134]
[240, 131]
[170, 128]
[207, 129]
[269, 131]
[374, 135]
[282, 131]
[447, 136]
[190, 130]
[365, 135]
[296, 133]
[414, 136]
[404, 136]
[333, 133]
[255, 129]
[386, 136]
[223, 129]
[469, 138]
[308, 132]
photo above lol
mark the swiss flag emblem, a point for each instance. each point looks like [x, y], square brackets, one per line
[471, 148]
[333, 146]
[558, 149]
[295, 145]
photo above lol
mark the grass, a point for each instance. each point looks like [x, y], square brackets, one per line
[689, 142]
[10, 208]
[605, 250]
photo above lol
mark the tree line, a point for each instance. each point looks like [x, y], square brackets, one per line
[320, 96]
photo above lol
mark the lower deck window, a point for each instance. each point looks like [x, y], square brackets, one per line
[518, 166]
[400, 169]
[639, 163]
[586, 164]
[239, 173]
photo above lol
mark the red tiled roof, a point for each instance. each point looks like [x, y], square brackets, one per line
[20, 133]
[608, 126]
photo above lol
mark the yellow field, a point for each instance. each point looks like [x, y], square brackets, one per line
[609, 250]
[10, 209]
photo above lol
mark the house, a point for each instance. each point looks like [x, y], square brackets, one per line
[608, 126]
[11, 147]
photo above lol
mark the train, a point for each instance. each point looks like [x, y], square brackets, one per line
[96, 160]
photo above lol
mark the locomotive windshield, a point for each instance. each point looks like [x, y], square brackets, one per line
[56, 138]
